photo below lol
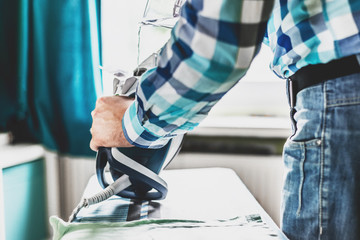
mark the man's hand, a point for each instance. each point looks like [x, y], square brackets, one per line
[106, 129]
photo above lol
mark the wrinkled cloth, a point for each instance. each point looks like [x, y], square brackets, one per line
[245, 227]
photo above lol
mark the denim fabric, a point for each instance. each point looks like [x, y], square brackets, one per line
[321, 194]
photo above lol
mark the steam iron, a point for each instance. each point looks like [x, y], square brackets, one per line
[141, 166]
[134, 171]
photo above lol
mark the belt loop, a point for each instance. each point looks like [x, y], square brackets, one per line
[358, 58]
[291, 99]
[290, 93]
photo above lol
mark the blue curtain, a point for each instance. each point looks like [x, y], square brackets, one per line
[50, 77]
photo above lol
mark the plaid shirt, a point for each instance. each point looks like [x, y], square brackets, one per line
[212, 46]
[311, 32]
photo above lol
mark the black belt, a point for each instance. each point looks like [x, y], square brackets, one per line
[315, 74]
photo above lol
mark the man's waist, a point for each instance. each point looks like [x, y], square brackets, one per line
[315, 74]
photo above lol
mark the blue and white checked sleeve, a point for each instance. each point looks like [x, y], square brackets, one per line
[210, 49]
[301, 33]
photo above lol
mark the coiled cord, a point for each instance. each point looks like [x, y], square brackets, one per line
[114, 188]
[101, 196]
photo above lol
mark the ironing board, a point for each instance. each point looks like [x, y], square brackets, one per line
[196, 194]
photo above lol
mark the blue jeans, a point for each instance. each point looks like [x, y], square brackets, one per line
[321, 194]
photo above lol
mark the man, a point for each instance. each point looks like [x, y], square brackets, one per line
[315, 45]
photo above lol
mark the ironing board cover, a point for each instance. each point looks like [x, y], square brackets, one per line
[211, 198]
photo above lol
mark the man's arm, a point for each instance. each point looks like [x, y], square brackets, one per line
[210, 49]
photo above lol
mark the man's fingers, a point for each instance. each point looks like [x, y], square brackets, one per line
[93, 146]
[101, 101]
[106, 129]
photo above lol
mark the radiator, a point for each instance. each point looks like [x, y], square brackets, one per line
[74, 175]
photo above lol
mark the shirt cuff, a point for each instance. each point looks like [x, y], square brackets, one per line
[136, 134]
